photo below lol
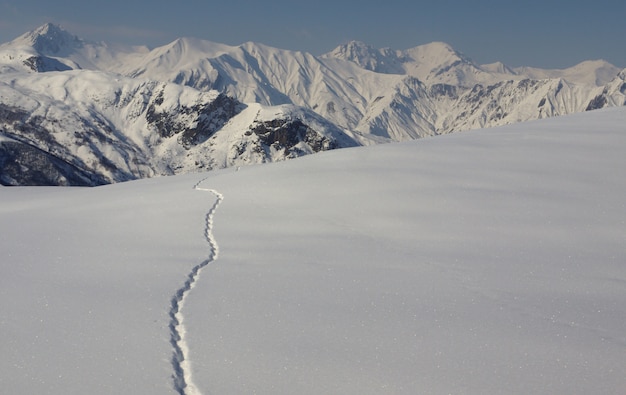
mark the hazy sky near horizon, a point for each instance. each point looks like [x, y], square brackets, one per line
[546, 33]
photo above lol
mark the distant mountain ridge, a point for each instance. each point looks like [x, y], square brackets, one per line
[436, 62]
[220, 102]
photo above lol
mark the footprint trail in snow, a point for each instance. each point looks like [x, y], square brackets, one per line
[183, 381]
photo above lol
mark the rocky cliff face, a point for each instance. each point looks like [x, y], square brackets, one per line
[287, 134]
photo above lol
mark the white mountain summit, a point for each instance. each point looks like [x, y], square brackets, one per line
[51, 48]
[436, 62]
[50, 40]
[99, 113]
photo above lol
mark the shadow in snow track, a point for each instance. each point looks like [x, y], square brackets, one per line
[183, 382]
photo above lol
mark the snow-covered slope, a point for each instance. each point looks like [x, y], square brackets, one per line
[591, 72]
[612, 94]
[116, 128]
[434, 63]
[486, 262]
[356, 94]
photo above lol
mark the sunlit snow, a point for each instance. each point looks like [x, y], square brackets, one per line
[485, 262]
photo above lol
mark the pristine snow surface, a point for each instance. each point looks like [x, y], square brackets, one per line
[486, 262]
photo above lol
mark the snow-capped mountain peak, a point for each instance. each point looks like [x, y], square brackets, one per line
[354, 94]
[436, 51]
[383, 60]
[589, 72]
[497, 67]
[364, 55]
[50, 40]
[436, 62]
[51, 48]
[352, 50]
[47, 48]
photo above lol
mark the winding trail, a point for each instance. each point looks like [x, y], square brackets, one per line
[183, 381]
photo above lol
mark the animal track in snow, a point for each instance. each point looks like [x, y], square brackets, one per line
[183, 382]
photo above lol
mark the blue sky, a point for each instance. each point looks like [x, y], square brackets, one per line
[548, 34]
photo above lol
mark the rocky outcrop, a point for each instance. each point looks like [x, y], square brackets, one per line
[41, 64]
[287, 135]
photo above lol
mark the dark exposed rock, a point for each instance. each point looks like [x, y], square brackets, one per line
[10, 114]
[162, 121]
[209, 117]
[444, 90]
[41, 64]
[449, 67]
[286, 134]
[558, 88]
[542, 102]
[23, 164]
[34, 156]
[480, 92]
[525, 84]
[597, 103]
[29, 127]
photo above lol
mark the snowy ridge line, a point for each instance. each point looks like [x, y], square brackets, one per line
[183, 382]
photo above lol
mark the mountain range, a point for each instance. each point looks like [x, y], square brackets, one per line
[74, 112]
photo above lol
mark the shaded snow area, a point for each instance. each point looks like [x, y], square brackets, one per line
[485, 262]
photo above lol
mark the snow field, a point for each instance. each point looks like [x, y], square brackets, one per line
[484, 262]
[88, 277]
[489, 261]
